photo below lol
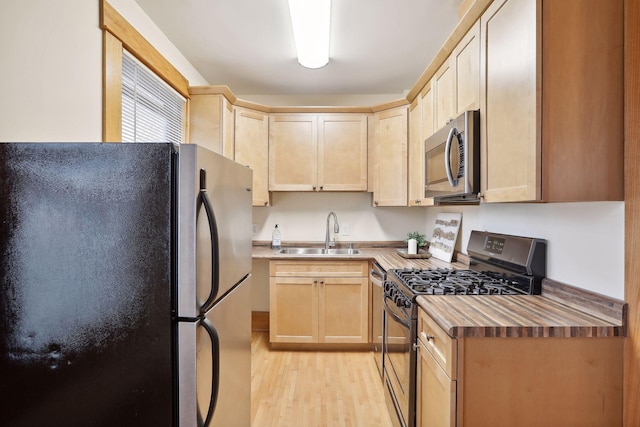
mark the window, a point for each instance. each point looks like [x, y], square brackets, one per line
[119, 40]
[151, 110]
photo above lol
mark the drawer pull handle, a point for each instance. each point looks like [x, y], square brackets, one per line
[428, 337]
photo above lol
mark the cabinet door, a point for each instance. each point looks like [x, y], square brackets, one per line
[467, 70]
[510, 128]
[426, 97]
[390, 186]
[342, 152]
[435, 393]
[252, 149]
[344, 310]
[444, 93]
[206, 122]
[293, 315]
[416, 154]
[293, 152]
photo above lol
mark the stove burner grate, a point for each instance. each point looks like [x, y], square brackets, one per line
[442, 281]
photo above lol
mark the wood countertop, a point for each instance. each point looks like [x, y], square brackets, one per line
[514, 316]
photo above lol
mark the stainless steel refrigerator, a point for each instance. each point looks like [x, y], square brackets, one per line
[124, 286]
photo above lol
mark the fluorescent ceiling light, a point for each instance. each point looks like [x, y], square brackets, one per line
[311, 24]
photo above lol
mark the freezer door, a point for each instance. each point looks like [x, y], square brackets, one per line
[85, 285]
[214, 223]
[215, 364]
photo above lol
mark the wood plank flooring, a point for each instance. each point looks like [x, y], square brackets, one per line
[314, 388]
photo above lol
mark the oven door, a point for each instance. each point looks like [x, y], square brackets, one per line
[399, 363]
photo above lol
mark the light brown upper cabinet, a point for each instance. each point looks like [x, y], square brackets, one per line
[456, 84]
[211, 120]
[466, 60]
[552, 100]
[318, 152]
[415, 154]
[420, 127]
[444, 94]
[252, 150]
[390, 157]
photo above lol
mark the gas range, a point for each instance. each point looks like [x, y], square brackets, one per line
[499, 265]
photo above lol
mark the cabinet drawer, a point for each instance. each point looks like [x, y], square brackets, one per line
[438, 343]
[319, 268]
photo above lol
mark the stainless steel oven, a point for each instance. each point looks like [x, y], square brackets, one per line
[499, 265]
[452, 161]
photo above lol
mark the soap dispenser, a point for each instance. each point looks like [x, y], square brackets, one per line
[276, 242]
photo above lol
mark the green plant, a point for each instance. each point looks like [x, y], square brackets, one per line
[420, 238]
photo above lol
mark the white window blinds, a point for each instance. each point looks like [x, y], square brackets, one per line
[151, 110]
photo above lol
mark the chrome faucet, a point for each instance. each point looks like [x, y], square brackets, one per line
[336, 229]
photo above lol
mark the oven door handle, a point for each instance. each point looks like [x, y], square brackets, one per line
[390, 311]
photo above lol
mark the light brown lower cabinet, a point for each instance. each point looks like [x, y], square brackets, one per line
[517, 381]
[319, 302]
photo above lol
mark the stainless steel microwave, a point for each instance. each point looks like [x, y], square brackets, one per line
[452, 161]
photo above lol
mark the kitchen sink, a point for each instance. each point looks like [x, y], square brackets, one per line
[318, 251]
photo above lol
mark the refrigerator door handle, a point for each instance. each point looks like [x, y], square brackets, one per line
[213, 230]
[215, 380]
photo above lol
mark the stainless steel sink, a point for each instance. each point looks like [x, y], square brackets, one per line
[318, 251]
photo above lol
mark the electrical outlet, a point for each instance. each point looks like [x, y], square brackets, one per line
[254, 227]
[345, 229]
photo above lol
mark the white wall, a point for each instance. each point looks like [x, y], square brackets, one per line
[51, 67]
[303, 217]
[50, 78]
[585, 241]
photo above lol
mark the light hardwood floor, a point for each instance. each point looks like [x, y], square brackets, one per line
[314, 388]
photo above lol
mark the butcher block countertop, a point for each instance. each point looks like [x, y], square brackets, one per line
[560, 311]
[514, 316]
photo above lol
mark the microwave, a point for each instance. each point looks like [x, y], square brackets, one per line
[452, 161]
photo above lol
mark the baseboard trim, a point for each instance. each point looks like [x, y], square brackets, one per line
[260, 321]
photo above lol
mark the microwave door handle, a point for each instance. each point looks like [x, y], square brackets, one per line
[447, 156]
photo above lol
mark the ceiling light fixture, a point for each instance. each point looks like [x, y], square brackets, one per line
[311, 22]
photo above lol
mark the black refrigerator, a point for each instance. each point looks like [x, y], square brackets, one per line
[124, 286]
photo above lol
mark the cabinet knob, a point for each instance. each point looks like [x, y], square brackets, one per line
[314, 188]
[375, 202]
[321, 187]
[266, 203]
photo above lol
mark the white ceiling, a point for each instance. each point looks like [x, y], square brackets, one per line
[377, 46]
